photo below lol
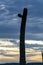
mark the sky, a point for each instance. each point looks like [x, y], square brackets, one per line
[10, 29]
[10, 51]
[10, 22]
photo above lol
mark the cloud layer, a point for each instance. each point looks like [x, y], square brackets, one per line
[10, 22]
[10, 50]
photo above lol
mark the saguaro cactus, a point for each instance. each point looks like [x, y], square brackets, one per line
[22, 37]
[42, 57]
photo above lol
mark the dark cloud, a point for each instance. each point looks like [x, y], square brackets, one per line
[10, 22]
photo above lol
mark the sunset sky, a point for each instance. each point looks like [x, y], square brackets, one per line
[10, 30]
[9, 51]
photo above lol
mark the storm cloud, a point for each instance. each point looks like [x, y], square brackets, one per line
[10, 22]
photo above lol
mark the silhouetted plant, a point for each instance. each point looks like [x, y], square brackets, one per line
[42, 56]
[22, 37]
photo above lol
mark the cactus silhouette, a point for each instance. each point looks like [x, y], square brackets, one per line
[42, 57]
[22, 37]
